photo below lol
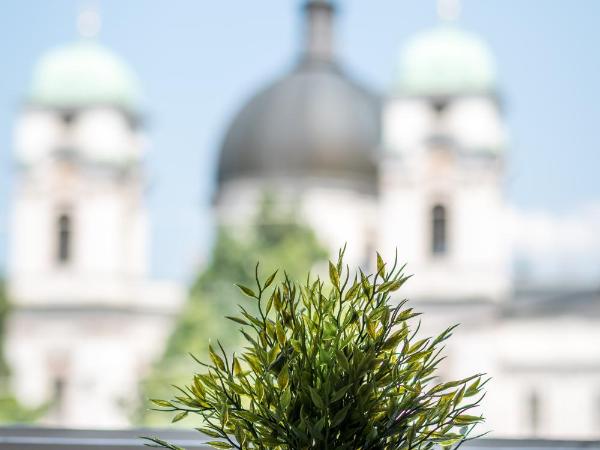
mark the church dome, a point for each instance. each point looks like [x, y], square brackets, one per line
[83, 74]
[445, 61]
[313, 122]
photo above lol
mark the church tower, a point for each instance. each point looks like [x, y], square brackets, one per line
[83, 304]
[441, 173]
[78, 211]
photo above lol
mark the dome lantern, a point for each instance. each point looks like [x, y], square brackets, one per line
[319, 16]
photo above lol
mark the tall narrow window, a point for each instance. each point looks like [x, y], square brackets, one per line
[64, 238]
[439, 245]
[59, 397]
[598, 411]
[534, 412]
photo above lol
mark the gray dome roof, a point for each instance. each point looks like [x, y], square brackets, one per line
[313, 122]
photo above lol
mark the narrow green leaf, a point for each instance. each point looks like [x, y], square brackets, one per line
[342, 360]
[286, 398]
[216, 359]
[246, 290]
[161, 444]
[283, 378]
[209, 432]
[280, 334]
[380, 265]
[237, 320]
[333, 275]
[466, 419]
[179, 416]
[340, 415]
[270, 279]
[219, 444]
[316, 398]
[473, 388]
[162, 403]
[237, 369]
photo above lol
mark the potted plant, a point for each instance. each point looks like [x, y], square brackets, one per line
[330, 364]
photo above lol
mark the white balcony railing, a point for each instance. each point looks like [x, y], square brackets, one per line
[30, 438]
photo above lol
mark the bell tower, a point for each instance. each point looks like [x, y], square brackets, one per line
[87, 321]
[78, 212]
[442, 170]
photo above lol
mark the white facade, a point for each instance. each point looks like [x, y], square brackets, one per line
[87, 322]
[101, 200]
[545, 376]
[433, 162]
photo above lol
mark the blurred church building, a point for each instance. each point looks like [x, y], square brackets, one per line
[419, 168]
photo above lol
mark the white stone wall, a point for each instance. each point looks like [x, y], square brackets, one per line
[94, 323]
[552, 355]
[555, 357]
[99, 356]
[339, 212]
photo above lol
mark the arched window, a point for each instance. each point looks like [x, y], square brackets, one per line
[64, 239]
[439, 232]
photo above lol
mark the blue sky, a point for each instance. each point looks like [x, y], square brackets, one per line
[199, 59]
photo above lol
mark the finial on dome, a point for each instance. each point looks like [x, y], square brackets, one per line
[319, 30]
[89, 22]
[449, 10]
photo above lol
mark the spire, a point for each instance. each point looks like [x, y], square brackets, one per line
[319, 15]
[89, 22]
[449, 10]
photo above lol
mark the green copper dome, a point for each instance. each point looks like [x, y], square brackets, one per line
[84, 74]
[445, 61]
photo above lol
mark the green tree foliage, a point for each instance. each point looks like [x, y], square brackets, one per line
[4, 310]
[328, 365]
[276, 238]
[11, 411]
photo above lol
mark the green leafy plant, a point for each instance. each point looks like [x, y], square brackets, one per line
[329, 365]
